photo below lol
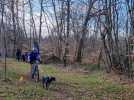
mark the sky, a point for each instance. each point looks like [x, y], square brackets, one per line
[50, 19]
[36, 13]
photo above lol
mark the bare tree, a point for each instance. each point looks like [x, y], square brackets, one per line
[40, 27]
[84, 30]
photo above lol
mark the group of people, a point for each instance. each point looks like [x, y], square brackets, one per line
[22, 56]
[33, 57]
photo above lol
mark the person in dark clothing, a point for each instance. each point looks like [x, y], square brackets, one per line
[26, 54]
[18, 54]
[23, 57]
[34, 59]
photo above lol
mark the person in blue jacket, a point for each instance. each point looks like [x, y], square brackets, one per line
[34, 59]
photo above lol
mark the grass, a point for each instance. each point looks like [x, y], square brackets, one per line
[92, 67]
[68, 86]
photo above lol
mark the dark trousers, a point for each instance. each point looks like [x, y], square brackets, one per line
[33, 70]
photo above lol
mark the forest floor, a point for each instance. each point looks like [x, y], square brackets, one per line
[71, 84]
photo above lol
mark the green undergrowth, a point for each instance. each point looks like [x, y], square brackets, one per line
[68, 85]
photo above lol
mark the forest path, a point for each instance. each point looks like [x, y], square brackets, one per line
[70, 84]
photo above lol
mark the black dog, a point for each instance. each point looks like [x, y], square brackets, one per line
[47, 80]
